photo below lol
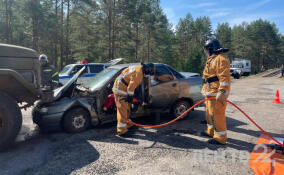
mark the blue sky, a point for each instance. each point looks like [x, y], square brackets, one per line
[232, 11]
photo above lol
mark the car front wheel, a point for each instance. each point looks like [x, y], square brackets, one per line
[180, 107]
[76, 120]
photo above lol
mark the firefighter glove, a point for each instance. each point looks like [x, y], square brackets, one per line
[221, 96]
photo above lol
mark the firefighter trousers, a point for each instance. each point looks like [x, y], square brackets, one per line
[216, 120]
[123, 110]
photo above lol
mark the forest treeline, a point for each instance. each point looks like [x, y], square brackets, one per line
[137, 30]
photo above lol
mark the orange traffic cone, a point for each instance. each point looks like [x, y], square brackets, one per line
[277, 99]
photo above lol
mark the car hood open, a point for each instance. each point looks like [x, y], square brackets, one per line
[57, 93]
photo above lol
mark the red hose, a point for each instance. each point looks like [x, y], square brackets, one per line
[202, 101]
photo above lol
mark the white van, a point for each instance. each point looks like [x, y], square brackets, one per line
[240, 67]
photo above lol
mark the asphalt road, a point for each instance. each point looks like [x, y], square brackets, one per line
[175, 149]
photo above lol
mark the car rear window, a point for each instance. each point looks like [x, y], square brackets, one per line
[96, 68]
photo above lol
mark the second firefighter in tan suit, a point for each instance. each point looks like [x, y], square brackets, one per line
[123, 89]
[217, 84]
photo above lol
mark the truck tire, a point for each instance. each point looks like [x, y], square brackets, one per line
[10, 120]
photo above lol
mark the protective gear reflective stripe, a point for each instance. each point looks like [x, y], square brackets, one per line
[131, 69]
[208, 93]
[47, 70]
[221, 133]
[209, 126]
[120, 91]
[122, 125]
[56, 73]
[224, 84]
[213, 62]
[130, 92]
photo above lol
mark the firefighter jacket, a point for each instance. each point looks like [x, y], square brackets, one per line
[49, 75]
[128, 81]
[216, 75]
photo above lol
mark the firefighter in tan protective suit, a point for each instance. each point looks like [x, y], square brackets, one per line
[123, 89]
[216, 79]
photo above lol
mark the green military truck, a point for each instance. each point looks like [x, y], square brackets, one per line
[19, 88]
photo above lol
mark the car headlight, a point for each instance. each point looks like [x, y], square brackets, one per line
[44, 110]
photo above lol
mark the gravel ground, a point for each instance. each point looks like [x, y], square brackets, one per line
[175, 149]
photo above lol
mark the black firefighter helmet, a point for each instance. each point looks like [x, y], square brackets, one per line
[214, 47]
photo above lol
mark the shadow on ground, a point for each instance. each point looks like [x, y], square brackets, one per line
[58, 153]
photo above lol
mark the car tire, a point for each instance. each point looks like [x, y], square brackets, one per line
[10, 120]
[237, 76]
[180, 107]
[76, 120]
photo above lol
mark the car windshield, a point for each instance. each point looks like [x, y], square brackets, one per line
[100, 79]
[65, 69]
